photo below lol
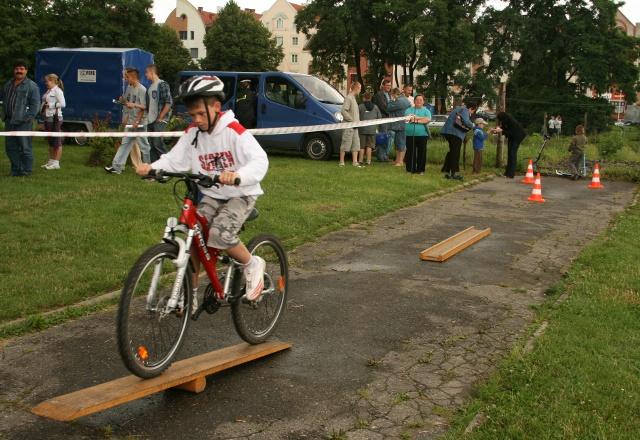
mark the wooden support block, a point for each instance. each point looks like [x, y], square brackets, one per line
[195, 386]
[452, 245]
[188, 374]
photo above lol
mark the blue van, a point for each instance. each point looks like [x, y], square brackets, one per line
[287, 100]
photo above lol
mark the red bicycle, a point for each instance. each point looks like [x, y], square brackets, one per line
[157, 302]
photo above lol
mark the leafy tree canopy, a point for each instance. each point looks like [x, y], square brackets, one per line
[237, 41]
[29, 25]
[566, 49]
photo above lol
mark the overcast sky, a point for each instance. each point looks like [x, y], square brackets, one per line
[162, 8]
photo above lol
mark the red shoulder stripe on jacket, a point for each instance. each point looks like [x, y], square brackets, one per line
[237, 127]
[192, 125]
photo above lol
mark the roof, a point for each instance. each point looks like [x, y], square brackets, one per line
[296, 6]
[90, 49]
[208, 18]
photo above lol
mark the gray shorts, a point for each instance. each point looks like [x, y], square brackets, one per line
[367, 140]
[225, 218]
[350, 140]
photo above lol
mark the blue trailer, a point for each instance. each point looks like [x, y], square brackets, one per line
[93, 78]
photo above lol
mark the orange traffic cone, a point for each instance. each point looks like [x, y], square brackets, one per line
[536, 193]
[528, 178]
[595, 180]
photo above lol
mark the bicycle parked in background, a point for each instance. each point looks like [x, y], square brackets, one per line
[157, 303]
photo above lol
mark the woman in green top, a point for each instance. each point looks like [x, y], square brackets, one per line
[417, 135]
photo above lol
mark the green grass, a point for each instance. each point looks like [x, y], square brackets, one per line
[72, 234]
[582, 380]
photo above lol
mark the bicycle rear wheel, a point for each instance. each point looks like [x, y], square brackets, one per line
[255, 321]
[149, 336]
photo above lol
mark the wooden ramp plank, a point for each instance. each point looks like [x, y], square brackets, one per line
[454, 244]
[188, 373]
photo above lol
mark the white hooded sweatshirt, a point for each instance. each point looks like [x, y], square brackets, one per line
[228, 148]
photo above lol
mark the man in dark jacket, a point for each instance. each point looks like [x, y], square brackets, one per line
[246, 105]
[515, 134]
[381, 99]
[21, 102]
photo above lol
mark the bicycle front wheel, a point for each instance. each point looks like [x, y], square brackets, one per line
[256, 320]
[149, 332]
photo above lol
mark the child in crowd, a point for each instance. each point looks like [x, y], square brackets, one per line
[576, 148]
[368, 111]
[479, 136]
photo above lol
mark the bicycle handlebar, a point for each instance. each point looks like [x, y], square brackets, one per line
[201, 179]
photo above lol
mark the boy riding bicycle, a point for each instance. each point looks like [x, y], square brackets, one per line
[216, 143]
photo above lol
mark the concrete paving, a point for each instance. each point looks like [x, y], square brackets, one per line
[385, 346]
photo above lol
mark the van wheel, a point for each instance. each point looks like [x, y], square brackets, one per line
[317, 146]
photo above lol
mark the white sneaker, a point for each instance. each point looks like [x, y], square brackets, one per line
[254, 274]
[52, 166]
[46, 164]
[194, 301]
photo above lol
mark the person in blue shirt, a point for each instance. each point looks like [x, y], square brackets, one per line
[479, 136]
[454, 131]
[417, 135]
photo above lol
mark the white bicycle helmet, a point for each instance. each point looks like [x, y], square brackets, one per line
[201, 86]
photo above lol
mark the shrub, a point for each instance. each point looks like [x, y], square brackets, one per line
[102, 149]
[609, 144]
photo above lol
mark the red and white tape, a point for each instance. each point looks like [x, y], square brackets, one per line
[254, 131]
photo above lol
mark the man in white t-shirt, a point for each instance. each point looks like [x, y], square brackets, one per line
[133, 119]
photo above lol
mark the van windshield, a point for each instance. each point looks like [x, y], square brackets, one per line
[319, 89]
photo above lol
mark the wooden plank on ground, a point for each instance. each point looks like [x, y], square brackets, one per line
[452, 245]
[188, 374]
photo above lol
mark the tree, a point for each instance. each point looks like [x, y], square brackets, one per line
[330, 45]
[566, 49]
[447, 44]
[35, 24]
[112, 23]
[22, 31]
[438, 35]
[169, 54]
[237, 41]
[341, 32]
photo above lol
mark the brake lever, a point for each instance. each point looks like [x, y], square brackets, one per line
[206, 181]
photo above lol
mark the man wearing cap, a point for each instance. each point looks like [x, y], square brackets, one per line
[479, 136]
[246, 104]
[21, 102]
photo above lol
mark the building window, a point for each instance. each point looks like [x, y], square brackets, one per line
[294, 41]
[193, 35]
[183, 35]
[279, 23]
[279, 41]
[194, 52]
[294, 58]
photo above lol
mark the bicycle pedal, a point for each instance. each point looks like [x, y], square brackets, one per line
[196, 314]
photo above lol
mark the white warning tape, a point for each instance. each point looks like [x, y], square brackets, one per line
[254, 131]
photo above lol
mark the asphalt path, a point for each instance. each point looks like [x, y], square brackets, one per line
[384, 344]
